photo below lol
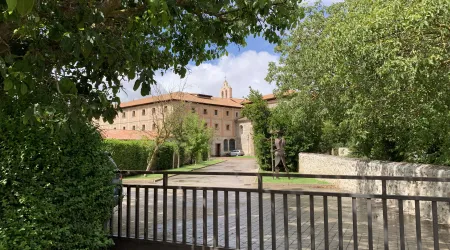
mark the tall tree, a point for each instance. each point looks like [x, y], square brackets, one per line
[378, 69]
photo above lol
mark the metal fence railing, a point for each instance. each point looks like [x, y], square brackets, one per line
[249, 218]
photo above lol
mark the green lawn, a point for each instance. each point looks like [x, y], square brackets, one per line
[186, 168]
[285, 180]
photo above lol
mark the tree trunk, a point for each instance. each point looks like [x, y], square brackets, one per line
[178, 161]
[152, 161]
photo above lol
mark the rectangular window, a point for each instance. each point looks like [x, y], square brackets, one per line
[165, 108]
[205, 111]
[153, 111]
[134, 127]
[123, 128]
[143, 127]
[123, 115]
[114, 128]
[237, 114]
[216, 126]
[228, 113]
[154, 126]
[143, 112]
[133, 114]
[228, 127]
[193, 110]
[216, 112]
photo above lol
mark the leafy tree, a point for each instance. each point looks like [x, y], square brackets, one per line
[378, 71]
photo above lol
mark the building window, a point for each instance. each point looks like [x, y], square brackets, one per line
[225, 145]
[237, 114]
[216, 112]
[193, 110]
[165, 108]
[123, 128]
[216, 126]
[206, 125]
[205, 111]
[228, 113]
[134, 127]
[241, 128]
[228, 127]
[133, 114]
[153, 110]
[143, 112]
[154, 126]
[232, 144]
[143, 127]
[114, 127]
[123, 115]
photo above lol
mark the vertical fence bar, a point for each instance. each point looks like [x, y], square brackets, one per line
[111, 222]
[325, 222]
[238, 221]
[261, 212]
[174, 215]
[369, 223]
[155, 214]
[311, 220]
[418, 226]
[184, 216]
[272, 218]
[165, 180]
[215, 220]
[355, 224]
[225, 204]
[435, 225]
[285, 220]
[128, 211]
[146, 213]
[249, 220]
[205, 218]
[402, 225]
[194, 217]
[299, 222]
[136, 215]
[119, 218]
[341, 236]
[385, 216]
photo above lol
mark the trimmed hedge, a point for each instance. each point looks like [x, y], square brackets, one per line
[130, 155]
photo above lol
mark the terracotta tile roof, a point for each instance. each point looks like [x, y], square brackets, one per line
[269, 97]
[127, 134]
[188, 97]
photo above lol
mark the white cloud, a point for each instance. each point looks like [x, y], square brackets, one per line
[242, 71]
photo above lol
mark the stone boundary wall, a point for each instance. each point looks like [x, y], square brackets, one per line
[334, 165]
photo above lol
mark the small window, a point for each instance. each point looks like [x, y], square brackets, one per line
[228, 127]
[133, 114]
[165, 108]
[114, 128]
[123, 128]
[143, 112]
[205, 111]
[206, 125]
[216, 126]
[134, 127]
[153, 110]
[123, 115]
[193, 110]
[237, 114]
[216, 112]
[228, 113]
[154, 126]
[143, 127]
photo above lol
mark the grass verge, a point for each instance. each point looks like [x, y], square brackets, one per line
[187, 168]
[285, 180]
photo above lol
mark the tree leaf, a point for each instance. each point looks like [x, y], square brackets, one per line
[23, 89]
[24, 7]
[11, 4]
[8, 84]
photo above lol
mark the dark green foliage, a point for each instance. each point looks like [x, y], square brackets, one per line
[130, 155]
[55, 185]
[164, 156]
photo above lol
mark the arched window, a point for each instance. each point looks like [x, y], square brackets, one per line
[241, 128]
[222, 94]
[232, 144]
[226, 93]
[225, 145]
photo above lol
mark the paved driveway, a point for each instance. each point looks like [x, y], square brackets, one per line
[249, 165]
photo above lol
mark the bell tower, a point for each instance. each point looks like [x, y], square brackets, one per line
[226, 91]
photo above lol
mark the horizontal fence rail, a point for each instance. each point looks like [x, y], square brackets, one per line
[258, 218]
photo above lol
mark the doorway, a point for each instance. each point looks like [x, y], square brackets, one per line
[217, 149]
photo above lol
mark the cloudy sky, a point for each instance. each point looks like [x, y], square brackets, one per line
[243, 67]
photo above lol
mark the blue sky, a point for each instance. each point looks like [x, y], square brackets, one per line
[244, 67]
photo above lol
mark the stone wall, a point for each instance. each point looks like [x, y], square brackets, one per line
[334, 165]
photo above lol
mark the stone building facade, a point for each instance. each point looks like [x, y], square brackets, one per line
[222, 114]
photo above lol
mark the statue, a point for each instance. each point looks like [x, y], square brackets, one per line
[280, 155]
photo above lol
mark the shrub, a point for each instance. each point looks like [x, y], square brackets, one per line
[164, 157]
[55, 185]
[130, 155]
